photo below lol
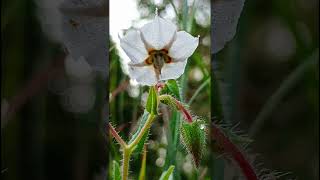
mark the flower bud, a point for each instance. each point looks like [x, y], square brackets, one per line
[193, 136]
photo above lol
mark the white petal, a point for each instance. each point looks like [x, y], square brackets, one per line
[158, 33]
[173, 70]
[183, 46]
[132, 44]
[144, 75]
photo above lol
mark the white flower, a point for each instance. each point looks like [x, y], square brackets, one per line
[158, 51]
[224, 22]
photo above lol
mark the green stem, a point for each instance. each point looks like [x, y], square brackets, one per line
[142, 175]
[116, 136]
[128, 149]
[144, 129]
[125, 165]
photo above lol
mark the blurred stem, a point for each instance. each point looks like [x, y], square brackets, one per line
[203, 85]
[175, 9]
[190, 22]
[218, 116]
[184, 15]
[142, 174]
[282, 91]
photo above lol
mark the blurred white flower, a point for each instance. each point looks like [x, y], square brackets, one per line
[81, 26]
[79, 70]
[158, 51]
[225, 16]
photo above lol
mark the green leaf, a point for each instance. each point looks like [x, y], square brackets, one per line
[166, 174]
[116, 175]
[152, 101]
[173, 139]
[171, 88]
[194, 138]
[139, 146]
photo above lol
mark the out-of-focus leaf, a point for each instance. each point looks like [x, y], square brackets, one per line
[173, 139]
[167, 174]
[116, 175]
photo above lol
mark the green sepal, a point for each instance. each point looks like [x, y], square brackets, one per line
[172, 88]
[152, 101]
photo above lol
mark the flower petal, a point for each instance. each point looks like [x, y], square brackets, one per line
[173, 70]
[132, 44]
[183, 46]
[159, 33]
[144, 75]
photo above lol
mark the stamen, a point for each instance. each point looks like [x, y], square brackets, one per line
[164, 50]
[149, 60]
[167, 59]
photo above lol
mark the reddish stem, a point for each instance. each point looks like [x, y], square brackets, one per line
[116, 135]
[186, 114]
[236, 154]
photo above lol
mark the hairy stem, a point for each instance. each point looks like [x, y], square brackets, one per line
[235, 153]
[143, 164]
[125, 165]
[178, 105]
[127, 150]
[144, 129]
[116, 136]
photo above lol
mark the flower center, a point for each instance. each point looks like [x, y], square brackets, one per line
[158, 58]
